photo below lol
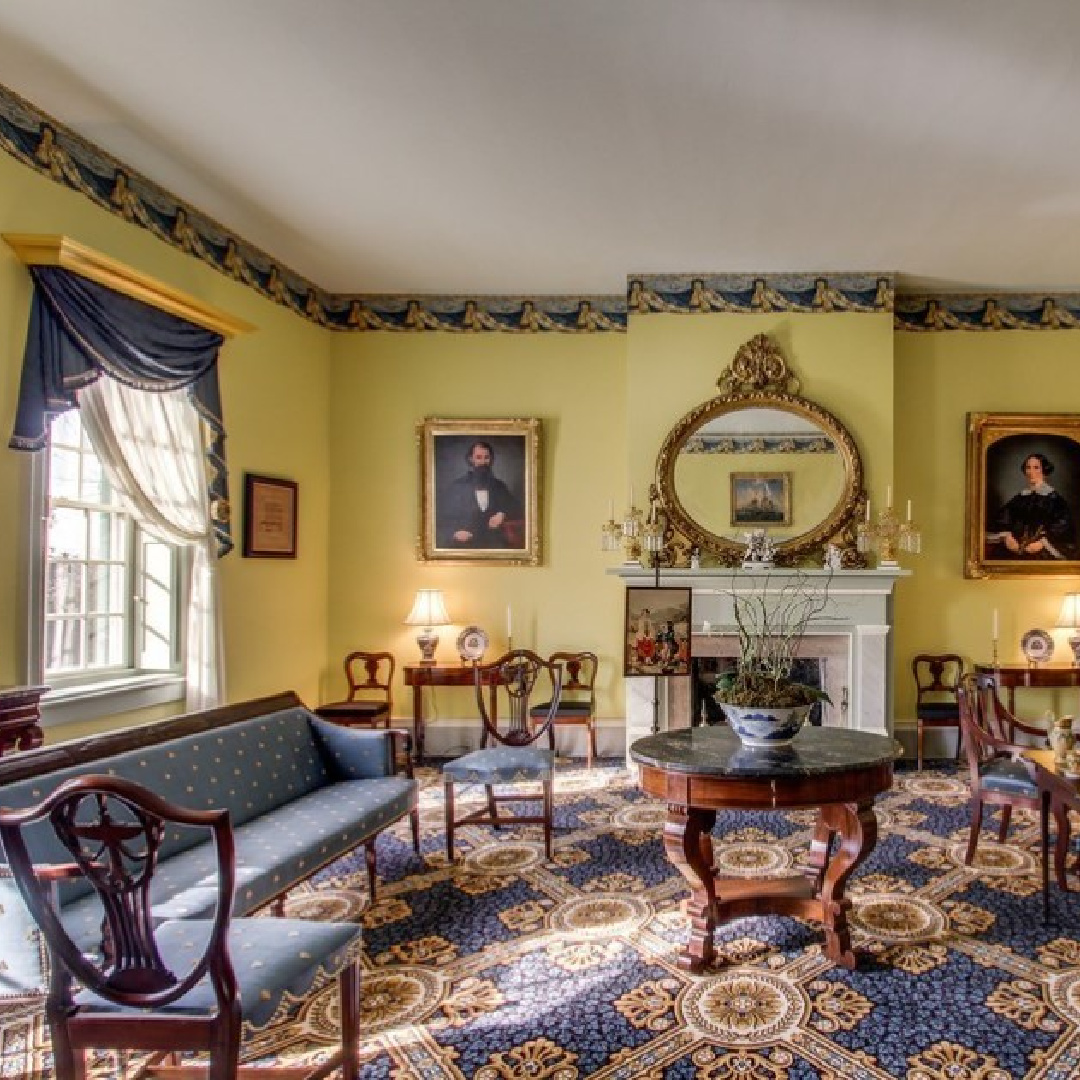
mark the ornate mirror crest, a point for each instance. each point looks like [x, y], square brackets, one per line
[759, 455]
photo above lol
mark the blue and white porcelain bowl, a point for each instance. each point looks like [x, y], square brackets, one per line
[758, 725]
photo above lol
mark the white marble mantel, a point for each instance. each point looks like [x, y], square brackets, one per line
[858, 613]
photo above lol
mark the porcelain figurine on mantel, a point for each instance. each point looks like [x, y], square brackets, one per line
[760, 550]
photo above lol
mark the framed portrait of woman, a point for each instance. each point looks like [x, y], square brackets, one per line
[1023, 495]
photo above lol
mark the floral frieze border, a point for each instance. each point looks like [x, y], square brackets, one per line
[751, 293]
[928, 313]
[51, 149]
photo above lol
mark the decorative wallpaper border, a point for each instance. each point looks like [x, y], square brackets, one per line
[926, 313]
[51, 149]
[760, 292]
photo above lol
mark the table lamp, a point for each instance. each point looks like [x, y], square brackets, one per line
[1069, 619]
[428, 611]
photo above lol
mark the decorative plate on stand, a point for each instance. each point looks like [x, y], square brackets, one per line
[1037, 646]
[471, 643]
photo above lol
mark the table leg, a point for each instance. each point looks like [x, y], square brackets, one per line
[1061, 846]
[1044, 847]
[688, 843]
[418, 720]
[857, 828]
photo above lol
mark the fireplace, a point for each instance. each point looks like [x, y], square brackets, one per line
[851, 639]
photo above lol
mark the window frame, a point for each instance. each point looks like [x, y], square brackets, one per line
[91, 694]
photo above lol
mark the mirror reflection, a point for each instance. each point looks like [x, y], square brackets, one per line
[754, 467]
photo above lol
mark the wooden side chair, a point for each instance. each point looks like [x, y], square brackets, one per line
[369, 702]
[167, 986]
[999, 775]
[513, 757]
[577, 702]
[937, 677]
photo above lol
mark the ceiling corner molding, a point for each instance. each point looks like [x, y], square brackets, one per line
[756, 293]
[935, 312]
[62, 251]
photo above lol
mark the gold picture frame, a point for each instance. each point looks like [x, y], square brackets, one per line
[497, 524]
[270, 517]
[760, 499]
[1023, 495]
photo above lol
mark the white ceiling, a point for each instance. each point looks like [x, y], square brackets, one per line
[555, 146]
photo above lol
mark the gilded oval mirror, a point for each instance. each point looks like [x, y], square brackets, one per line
[760, 456]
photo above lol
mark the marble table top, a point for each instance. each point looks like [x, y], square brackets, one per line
[717, 751]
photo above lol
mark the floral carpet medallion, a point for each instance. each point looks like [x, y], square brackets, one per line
[508, 966]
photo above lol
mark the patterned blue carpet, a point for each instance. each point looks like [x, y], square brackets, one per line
[506, 966]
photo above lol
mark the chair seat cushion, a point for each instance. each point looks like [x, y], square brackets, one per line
[1008, 777]
[274, 960]
[940, 711]
[573, 709]
[500, 765]
[356, 710]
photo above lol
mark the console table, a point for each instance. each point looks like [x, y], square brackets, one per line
[1041, 676]
[420, 675]
[698, 771]
[20, 718]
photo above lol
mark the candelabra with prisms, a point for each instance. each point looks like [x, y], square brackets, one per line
[637, 532]
[888, 535]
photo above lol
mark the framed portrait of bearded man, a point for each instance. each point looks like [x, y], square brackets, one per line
[1023, 495]
[479, 500]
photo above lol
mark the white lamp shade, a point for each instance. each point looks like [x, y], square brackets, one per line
[1070, 611]
[428, 609]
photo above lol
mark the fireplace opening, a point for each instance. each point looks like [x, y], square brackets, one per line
[705, 670]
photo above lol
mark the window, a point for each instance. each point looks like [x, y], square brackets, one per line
[111, 589]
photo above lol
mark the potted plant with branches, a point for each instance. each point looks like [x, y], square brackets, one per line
[763, 702]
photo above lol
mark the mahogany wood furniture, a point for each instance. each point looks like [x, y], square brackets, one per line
[937, 676]
[420, 675]
[1058, 794]
[514, 758]
[577, 703]
[369, 701]
[698, 771]
[165, 984]
[999, 775]
[20, 718]
[1044, 676]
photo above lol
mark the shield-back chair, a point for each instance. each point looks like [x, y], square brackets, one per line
[165, 985]
[514, 756]
[998, 773]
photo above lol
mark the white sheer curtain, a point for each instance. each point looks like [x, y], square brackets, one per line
[151, 443]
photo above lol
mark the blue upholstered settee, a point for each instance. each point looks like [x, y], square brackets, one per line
[301, 791]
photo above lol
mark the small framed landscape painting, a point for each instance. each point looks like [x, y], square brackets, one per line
[1023, 495]
[657, 632]
[760, 498]
[478, 492]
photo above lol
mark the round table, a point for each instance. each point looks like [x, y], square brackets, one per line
[698, 771]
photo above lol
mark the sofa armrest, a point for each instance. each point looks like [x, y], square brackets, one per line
[354, 753]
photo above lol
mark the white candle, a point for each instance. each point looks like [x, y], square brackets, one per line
[909, 510]
[611, 509]
[509, 621]
[631, 496]
[995, 625]
[888, 497]
[867, 511]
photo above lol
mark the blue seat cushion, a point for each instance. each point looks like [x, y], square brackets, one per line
[939, 710]
[500, 765]
[276, 961]
[1007, 777]
[273, 853]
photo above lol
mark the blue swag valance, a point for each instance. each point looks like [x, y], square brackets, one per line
[80, 330]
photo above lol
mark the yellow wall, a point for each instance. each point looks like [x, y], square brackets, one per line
[939, 379]
[275, 387]
[383, 384]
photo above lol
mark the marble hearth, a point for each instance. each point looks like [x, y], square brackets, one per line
[852, 636]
